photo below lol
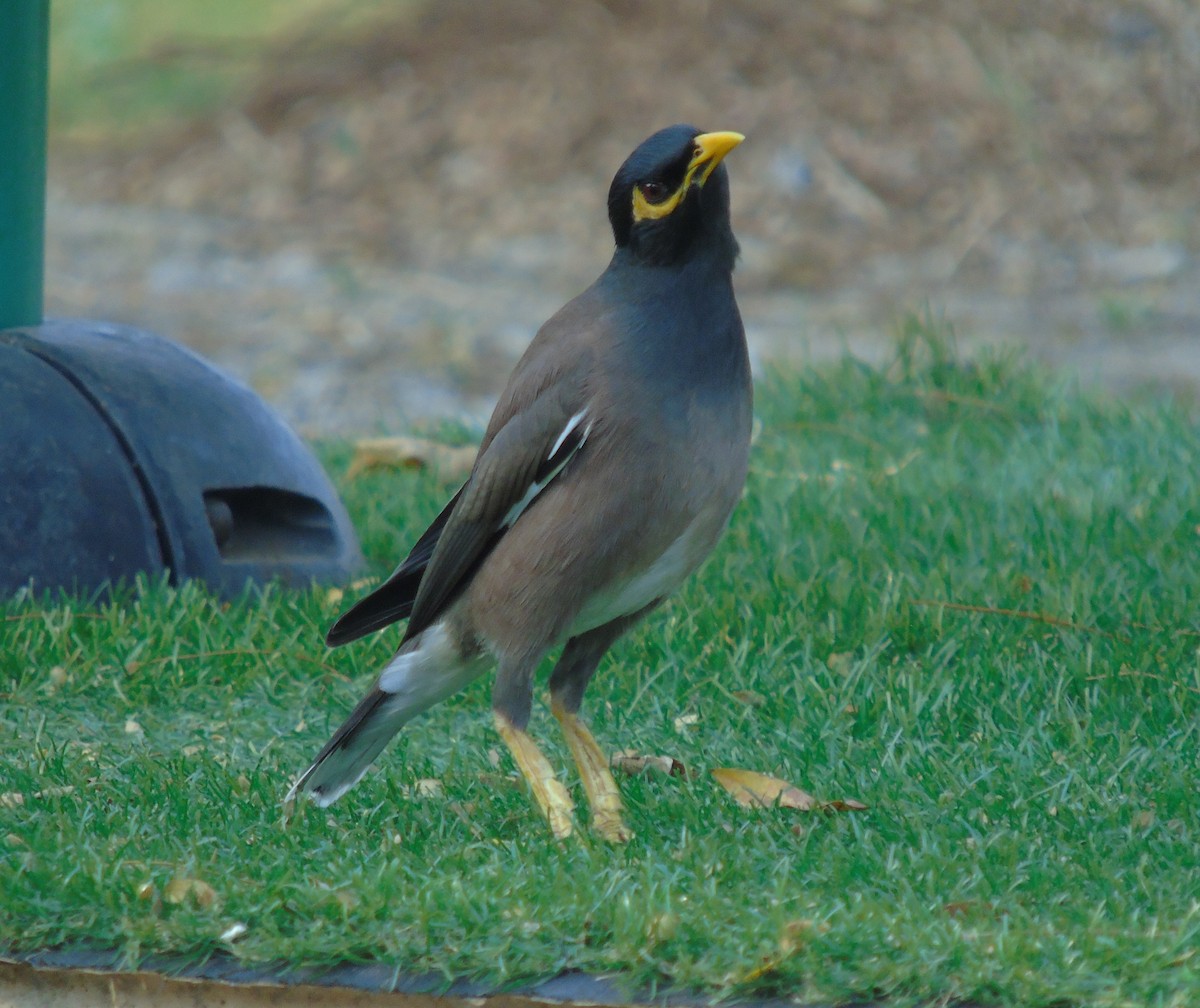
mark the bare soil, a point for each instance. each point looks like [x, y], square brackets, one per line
[372, 233]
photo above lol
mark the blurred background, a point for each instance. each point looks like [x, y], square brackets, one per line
[365, 209]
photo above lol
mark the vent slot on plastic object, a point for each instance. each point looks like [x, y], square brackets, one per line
[268, 524]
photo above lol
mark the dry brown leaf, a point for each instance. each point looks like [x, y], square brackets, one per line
[411, 453]
[686, 721]
[466, 812]
[840, 662]
[12, 799]
[661, 927]
[180, 888]
[844, 805]
[755, 790]
[631, 762]
[429, 787]
[964, 908]
[749, 697]
[347, 899]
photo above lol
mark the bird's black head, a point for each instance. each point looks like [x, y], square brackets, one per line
[669, 202]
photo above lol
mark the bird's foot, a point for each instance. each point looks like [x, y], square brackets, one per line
[548, 790]
[603, 796]
[557, 807]
[609, 824]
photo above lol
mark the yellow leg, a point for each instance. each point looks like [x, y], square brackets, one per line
[598, 782]
[548, 791]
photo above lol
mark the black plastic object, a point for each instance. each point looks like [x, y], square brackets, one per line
[122, 452]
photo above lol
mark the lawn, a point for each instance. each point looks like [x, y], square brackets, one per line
[964, 594]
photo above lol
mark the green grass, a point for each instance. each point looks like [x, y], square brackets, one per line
[1031, 765]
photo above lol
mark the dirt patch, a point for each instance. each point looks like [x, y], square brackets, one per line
[418, 196]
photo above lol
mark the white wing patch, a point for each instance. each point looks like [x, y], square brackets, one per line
[563, 451]
[574, 422]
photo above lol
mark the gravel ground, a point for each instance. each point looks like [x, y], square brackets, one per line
[362, 348]
[373, 234]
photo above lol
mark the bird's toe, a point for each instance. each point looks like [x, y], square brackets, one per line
[611, 827]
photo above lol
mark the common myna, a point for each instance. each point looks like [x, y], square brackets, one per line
[607, 473]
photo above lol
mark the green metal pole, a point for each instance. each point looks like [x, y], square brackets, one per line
[25, 30]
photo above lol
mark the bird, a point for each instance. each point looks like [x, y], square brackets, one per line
[607, 473]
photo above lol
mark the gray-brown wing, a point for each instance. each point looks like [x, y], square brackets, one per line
[393, 600]
[518, 463]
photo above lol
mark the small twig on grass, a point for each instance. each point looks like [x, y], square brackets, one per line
[42, 614]
[1025, 614]
[1174, 631]
[941, 395]
[1127, 672]
[133, 666]
[839, 429]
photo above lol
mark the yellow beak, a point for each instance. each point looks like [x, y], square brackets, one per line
[711, 148]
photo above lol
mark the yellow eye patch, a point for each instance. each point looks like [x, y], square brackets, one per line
[709, 150]
[643, 209]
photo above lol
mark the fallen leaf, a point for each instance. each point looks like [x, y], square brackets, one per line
[629, 761]
[840, 662]
[466, 812]
[347, 899]
[749, 697]
[686, 721]
[429, 787]
[963, 908]
[411, 453]
[795, 935]
[844, 805]
[12, 799]
[661, 927]
[755, 790]
[180, 888]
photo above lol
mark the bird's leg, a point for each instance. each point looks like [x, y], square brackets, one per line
[567, 683]
[512, 698]
[548, 790]
[603, 796]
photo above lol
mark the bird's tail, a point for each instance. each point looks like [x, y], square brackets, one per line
[424, 672]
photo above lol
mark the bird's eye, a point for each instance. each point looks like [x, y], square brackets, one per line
[653, 191]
